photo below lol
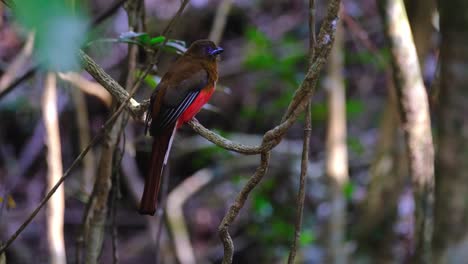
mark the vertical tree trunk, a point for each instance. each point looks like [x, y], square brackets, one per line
[56, 206]
[451, 206]
[414, 111]
[388, 173]
[337, 156]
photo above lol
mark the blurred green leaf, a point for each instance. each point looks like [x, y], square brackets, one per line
[348, 190]
[59, 31]
[248, 112]
[237, 179]
[262, 206]
[151, 80]
[257, 37]
[355, 145]
[140, 38]
[281, 229]
[157, 40]
[319, 111]
[354, 107]
[307, 237]
[379, 59]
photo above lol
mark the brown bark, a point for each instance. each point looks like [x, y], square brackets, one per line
[451, 206]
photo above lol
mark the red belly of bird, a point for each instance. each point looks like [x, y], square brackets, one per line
[195, 107]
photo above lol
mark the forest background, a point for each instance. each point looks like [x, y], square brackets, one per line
[338, 132]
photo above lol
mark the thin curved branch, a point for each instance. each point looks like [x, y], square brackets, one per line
[305, 148]
[222, 141]
[238, 204]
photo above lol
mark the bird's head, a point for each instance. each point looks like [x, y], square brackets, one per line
[204, 49]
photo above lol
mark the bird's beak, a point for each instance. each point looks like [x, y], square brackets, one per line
[217, 51]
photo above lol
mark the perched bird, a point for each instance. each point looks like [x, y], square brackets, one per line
[180, 95]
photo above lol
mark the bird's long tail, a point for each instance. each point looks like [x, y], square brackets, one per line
[159, 155]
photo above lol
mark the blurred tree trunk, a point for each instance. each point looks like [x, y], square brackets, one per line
[414, 112]
[451, 207]
[56, 206]
[387, 179]
[389, 169]
[420, 17]
[337, 155]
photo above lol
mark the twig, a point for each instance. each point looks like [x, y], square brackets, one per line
[28, 74]
[109, 12]
[96, 213]
[169, 26]
[223, 142]
[302, 185]
[112, 86]
[52, 191]
[305, 147]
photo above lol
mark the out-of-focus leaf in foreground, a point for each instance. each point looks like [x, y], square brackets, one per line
[60, 31]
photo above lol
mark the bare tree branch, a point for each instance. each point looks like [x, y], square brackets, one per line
[112, 86]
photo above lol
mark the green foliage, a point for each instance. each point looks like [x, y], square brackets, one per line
[262, 206]
[151, 80]
[145, 41]
[204, 155]
[59, 31]
[348, 190]
[355, 145]
[280, 230]
[368, 57]
[319, 111]
[279, 62]
[354, 108]
[140, 38]
[307, 237]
